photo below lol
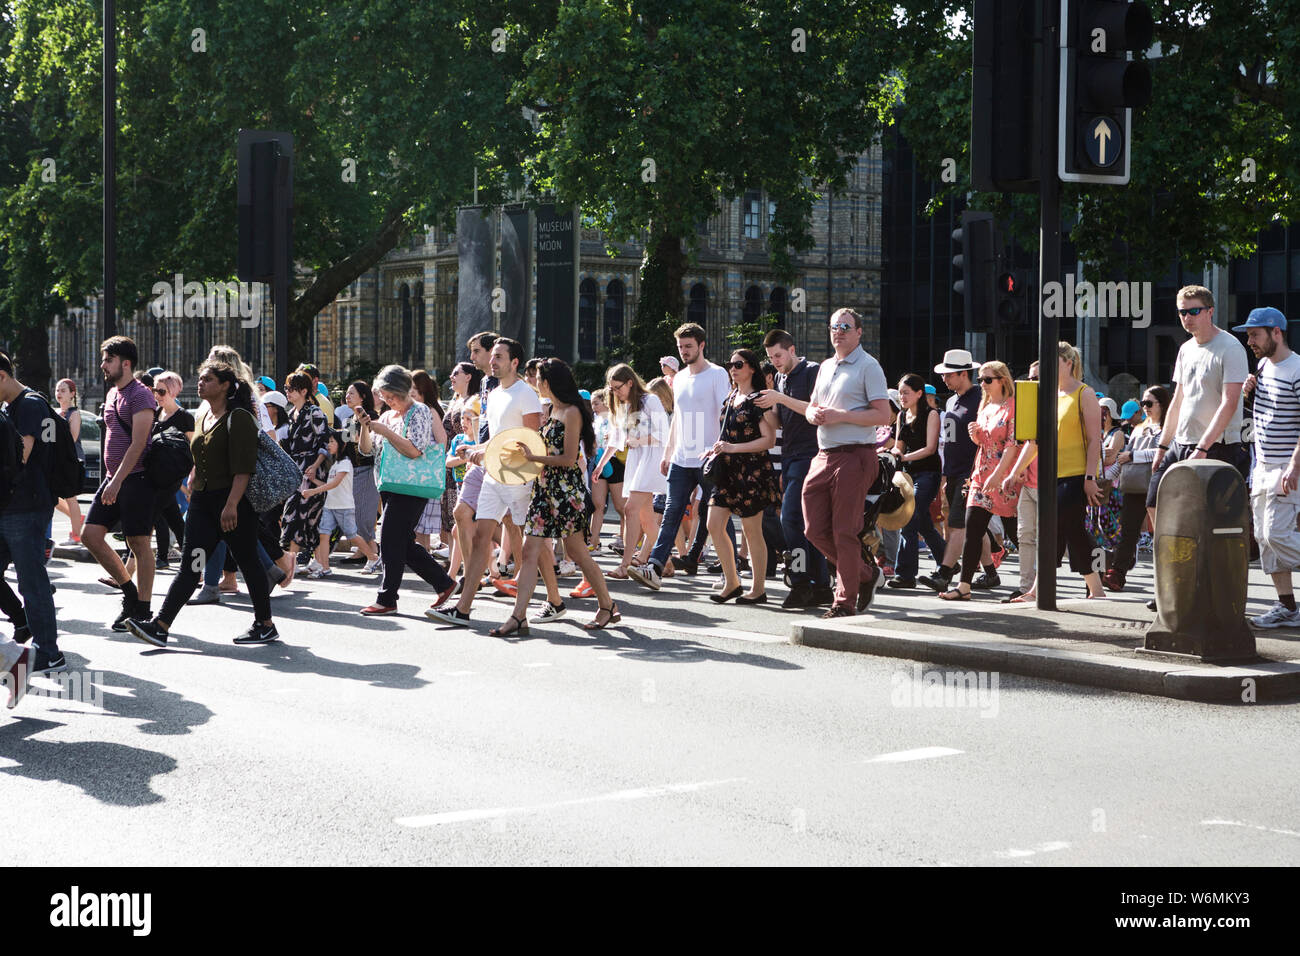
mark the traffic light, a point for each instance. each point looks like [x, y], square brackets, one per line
[264, 187]
[1012, 298]
[977, 269]
[1100, 86]
[1005, 112]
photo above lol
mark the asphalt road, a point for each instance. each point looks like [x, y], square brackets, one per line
[688, 735]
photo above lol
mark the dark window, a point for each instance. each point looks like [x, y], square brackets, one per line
[753, 303]
[587, 291]
[776, 305]
[753, 214]
[404, 295]
[697, 309]
[614, 311]
[419, 324]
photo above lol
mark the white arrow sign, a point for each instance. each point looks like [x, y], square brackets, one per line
[1102, 135]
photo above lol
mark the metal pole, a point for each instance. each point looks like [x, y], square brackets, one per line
[110, 168]
[281, 282]
[1049, 270]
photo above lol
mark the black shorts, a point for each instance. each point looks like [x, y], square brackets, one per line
[617, 472]
[133, 507]
[1236, 454]
[955, 492]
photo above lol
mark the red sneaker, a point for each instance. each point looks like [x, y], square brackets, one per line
[583, 590]
[379, 609]
[507, 586]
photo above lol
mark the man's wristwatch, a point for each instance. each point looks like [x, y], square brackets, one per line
[1163, 447]
[1204, 451]
[1089, 477]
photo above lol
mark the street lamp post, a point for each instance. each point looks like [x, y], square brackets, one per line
[110, 168]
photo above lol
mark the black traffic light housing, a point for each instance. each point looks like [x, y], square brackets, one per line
[977, 269]
[264, 188]
[1100, 87]
[1012, 293]
[1005, 114]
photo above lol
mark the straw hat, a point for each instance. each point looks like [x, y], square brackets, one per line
[896, 519]
[509, 466]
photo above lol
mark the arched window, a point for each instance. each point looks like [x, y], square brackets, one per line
[753, 304]
[419, 324]
[776, 304]
[614, 310]
[404, 307]
[697, 307]
[587, 293]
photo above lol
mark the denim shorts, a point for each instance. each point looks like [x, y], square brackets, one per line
[660, 503]
[345, 519]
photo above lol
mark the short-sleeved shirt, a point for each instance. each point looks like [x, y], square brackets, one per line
[849, 384]
[120, 406]
[915, 435]
[955, 446]
[340, 497]
[485, 389]
[1277, 410]
[181, 420]
[31, 490]
[506, 407]
[697, 402]
[1200, 372]
[798, 435]
[223, 447]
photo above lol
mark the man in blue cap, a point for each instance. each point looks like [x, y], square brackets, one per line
[1274, 501]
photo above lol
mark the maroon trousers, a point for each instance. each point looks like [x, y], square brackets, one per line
[833, 497]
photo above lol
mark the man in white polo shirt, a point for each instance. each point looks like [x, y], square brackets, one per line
[849, 402]
[512, 404]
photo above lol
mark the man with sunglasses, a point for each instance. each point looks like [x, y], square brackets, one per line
[849, 401]
[1204, 416]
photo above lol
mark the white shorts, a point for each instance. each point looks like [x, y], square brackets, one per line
[496, 500]
[1275, 518]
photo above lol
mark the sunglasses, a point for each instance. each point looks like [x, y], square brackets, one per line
[842, 326]
[160, 391]
[1148, 404]
[740, 364]
[987, 380]
[1196, 311]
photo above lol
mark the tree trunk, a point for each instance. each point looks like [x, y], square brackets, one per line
[33, 358]
[660, 306]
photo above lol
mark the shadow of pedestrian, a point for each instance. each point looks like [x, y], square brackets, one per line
[111, 773]
[643, 647]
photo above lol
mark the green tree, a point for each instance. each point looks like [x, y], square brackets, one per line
[1224, 91]
[650, 114]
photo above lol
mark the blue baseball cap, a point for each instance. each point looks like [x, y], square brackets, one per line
[1130, 409]
[583, 393]
[268, 382]
[1263, 318]
[931, 390]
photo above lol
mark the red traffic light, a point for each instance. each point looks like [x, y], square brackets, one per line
[1007, 283]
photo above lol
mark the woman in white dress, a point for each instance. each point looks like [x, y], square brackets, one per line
[639, 425]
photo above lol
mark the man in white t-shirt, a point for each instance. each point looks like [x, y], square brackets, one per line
[512, 404]
[699, 390]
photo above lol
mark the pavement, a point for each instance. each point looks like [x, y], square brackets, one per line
[689, 734]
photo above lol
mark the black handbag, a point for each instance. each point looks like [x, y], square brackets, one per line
[713, 466]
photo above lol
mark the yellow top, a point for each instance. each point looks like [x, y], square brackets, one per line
[1071, 445]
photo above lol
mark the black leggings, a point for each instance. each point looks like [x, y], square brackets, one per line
[202, 532]
[398, 548]
[167, 515]
[977, 526]
[1070, 530]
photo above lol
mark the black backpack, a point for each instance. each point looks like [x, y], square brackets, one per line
[67, 474]
[169, 459]
[11, 459]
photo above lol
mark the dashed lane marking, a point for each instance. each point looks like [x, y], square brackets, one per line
[920, 753]
[1248, 826]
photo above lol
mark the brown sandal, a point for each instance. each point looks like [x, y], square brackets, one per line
[521, 627]
[613, 618]
[618, 574]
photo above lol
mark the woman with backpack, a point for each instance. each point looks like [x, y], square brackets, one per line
[225, 457]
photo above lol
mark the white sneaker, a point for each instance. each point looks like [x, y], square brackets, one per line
[70, 543]
[372, 567]
[313, 565]
[1277, 616]
[645, 574]
[441, 552]
[568, 569]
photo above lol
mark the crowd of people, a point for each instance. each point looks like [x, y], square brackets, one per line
[521, 467]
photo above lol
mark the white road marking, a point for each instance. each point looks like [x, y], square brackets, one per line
[1248, 826]
[1050, 847]
[921, 753]
[640, 793]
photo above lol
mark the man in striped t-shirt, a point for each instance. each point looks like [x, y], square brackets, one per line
[1275, 502]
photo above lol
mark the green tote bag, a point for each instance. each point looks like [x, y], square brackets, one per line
[423, 477]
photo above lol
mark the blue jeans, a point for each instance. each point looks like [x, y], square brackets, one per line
[682, 482]
[927, 487]
[217, 563]
[815, 573]
[22, 542]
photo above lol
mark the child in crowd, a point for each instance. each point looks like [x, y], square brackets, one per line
[339, 511]
[461, 445]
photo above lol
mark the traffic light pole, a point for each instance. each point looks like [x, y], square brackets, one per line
[280, 285]
[1049, 270]
[110, 170]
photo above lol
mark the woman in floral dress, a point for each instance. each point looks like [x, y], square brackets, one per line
[744, 481]
[559, 505]
[308, 434]
[993, 432]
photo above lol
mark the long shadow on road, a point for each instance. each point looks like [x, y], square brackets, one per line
[111, 773]
[652, 649]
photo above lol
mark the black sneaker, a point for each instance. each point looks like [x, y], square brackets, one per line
[259, 634]
[448, 614]
[800, 596]
[161, 563]
[1151, 605]
[935, 582]
[151, 632]
[129, 610]
[901, 584]
[715, 568]
[22, 634]
[686, 566]
[822, 597]
[986, 582]
[53, 664]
